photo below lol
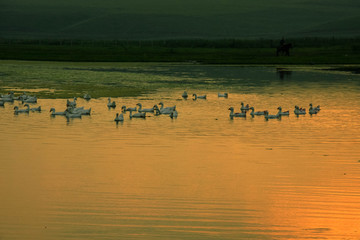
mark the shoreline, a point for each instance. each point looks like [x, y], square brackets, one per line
[69, 82]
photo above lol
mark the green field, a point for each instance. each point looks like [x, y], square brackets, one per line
[227, 51]
[176, 19]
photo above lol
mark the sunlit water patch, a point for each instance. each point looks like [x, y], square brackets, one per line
[200, 176]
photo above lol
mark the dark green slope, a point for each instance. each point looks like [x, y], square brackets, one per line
[160, 19]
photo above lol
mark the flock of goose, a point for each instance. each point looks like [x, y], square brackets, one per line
[73, 111]
[244, 109]
[298, 111]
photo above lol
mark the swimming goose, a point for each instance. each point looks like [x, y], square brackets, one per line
[111, 104]
[71, 104]
[140, 110]
[314, 109]
[87, 97]
[86, 111]
[173, 114]
[38, 109]
[73, 115]
[224, 95]
[299, 111]
[198, 97]
[30, 100]
[24, 96]
[184, 95]
[267, 116]
[53, 113]
[17, 98]
[74, 109]
[124, 109]
[232, 114]
[166, 108]
[163, 110]
[138, 115]
[156, 111]
[17, 110]
[79, 110]
[244, 108]
[119, 117]
[258, 113]
[286, 113]
[8, 97]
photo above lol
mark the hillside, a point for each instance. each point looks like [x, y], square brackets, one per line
[160, 19]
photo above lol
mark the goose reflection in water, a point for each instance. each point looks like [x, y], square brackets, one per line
[283, 73]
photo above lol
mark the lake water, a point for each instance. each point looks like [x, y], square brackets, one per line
[200, 176]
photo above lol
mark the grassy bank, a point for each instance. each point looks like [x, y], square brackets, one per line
[228, 51]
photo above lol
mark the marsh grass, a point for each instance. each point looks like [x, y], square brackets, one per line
[68, 68]
[64, 80]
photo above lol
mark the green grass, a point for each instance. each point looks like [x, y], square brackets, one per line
[228, 51]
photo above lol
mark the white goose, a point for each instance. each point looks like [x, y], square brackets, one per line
[17, 110]
[87, 97]
[38, 109]
[71, 104]
[143, 110]
[184, 95]
[173, 114]
[79, 110]
[30, 100]
[258, 113]
[244, 108]
[156, 111]
[111, 104]
[23, 96]
[124, 109]
[232, 114]
[224, 95]
[299, 111]
[314, 110]
[86, 111]
[71, 109]
[268, 116]
[119, 117]
[166, 110]
[73, 115]
[198, 97]
[54, 113]
[8, 97]
[138, 115]
[286, 113]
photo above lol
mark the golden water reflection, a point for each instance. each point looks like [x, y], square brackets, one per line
[200, 176]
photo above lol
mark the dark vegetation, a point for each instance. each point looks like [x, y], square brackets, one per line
[225, 51]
